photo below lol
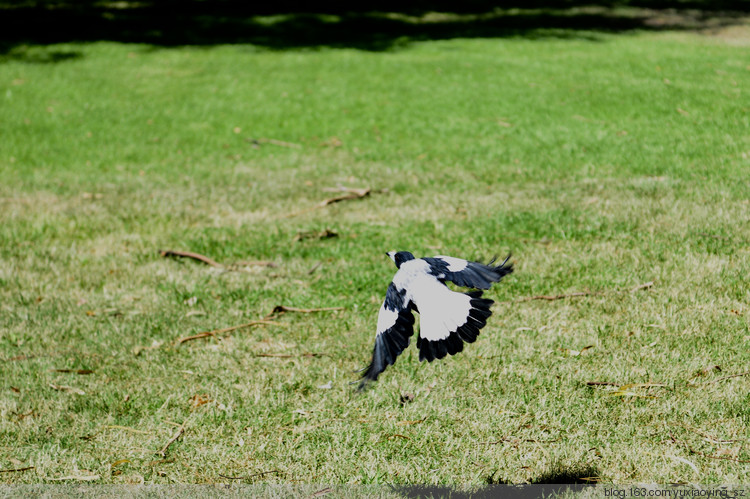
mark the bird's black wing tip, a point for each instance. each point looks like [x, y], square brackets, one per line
[505, 267]
[370, 374]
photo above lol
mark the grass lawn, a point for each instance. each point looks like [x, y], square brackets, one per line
[603, 162]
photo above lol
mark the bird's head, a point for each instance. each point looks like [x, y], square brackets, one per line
[400, 257]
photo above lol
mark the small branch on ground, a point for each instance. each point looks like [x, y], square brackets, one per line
[17, 469]
[213, 263]
[126, 428]
[280, 143]
[177, 434]
[645, 285]
[74, 371]
[190, 254]
[556, 297]
[351, 194]
[324, 234]
[288, 356]
[266, 321]
[703, 454]
[314, 268]
[516, 441]
[208, 334]
[262, 473]
[724, 378]
[601, 383]
[19, 357]
[281, 309]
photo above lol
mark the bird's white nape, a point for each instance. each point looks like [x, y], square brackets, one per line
[392, 255]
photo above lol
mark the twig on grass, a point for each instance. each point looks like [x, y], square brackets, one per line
[516, 441]
[190, 254]
[601, 383]
[66, 388]
[397, 435]
[288, 356]
[275, 142]
[645, 285]
[281, 309]
[703, 454]
[74, 371]
[262, 473]
[207, 334]
[266, 321]
[351, 194]
[177, 434]
[19, 357]
[708, 437]
[126, 428]
[213, 263]
[556, 297]
[314, 268]
[14, 470]
[725, 377]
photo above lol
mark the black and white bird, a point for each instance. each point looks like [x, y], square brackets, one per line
[447, 318]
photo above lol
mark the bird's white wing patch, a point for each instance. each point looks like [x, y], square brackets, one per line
[386, 319]
[454, 264]
[442, 312]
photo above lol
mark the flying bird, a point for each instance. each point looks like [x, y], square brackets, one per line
[447, 318]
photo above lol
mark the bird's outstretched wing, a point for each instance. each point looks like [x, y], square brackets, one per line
[395, 327]
[468, 274]
[448, 320]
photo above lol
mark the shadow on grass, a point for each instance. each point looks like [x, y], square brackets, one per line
[374, 26]
[557, 480]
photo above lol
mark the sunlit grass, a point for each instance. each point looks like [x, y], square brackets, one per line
[601, 165]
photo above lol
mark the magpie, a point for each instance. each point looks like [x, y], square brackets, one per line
[447, 318]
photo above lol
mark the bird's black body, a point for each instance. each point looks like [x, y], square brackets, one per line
[448, 318]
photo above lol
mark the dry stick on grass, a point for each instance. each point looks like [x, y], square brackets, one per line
[190, 254]
[281, 309]
[126, 428]
[277, 310]
[275, 142]
[352, 194]
[17, 469]
[214, 263]
[215, 332]
[253, 475]
[288, 356]
[725, 377]
[703, 454]
[177, 434]
[580, 293]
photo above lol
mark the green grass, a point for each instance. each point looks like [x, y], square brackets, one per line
[601, 163]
